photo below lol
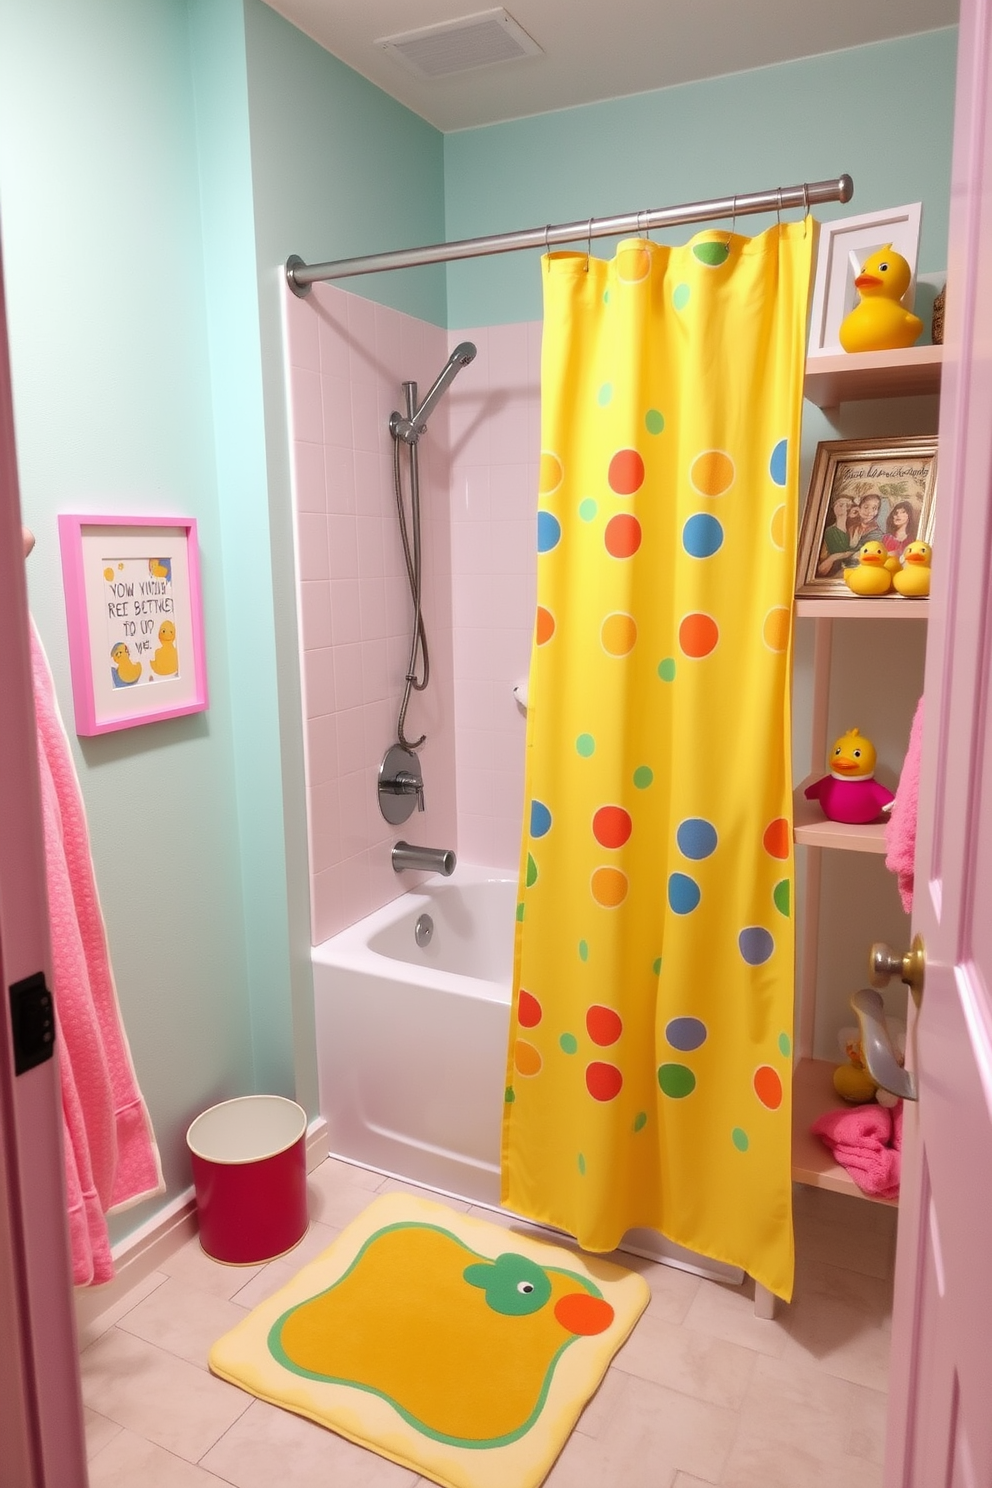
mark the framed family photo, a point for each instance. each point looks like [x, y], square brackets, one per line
[134, 615]
[861, 491]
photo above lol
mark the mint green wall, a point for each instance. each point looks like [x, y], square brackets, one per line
[882, 113]
[340, 168]
[279, 983]
[104, 272]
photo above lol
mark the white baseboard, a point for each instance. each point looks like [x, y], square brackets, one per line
[144, 1250]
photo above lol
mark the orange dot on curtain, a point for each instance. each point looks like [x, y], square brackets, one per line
[712, 473]
[545, 628]
[609, 887]
[776, 838]
[551, 474]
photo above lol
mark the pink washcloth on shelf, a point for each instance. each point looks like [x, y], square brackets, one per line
[867, 1142]
[900, 833]
[111, 1159]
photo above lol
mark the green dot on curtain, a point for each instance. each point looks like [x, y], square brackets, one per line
[676, 1080]
[654, 421]
[785, 1044]
[531, 871]
[643, 777]
[588, 509]
[582, 1165]
[740, 1139]
[606, 296]
[568, 1043]
[666, 669]
[605, 394]
[712, 254]
[681, 296]
[509, 1096]
[780, 895]
[656, 966]
[520, 911]
[585, 745]
[583, 950]
[640, 1121]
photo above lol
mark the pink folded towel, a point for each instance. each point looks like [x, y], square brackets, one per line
[867, 1142]
[900, 833]
[111, 1159]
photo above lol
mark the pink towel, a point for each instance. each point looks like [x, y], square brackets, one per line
[900, 833]
[867, 1142]
[111, 1159]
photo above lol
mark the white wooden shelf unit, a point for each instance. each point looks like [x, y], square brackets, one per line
[831, 380]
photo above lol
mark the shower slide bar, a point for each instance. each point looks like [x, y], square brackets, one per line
[301, 275]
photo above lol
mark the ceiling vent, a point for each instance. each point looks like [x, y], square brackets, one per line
[457, 46]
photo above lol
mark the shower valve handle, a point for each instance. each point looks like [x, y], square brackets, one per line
[404, 783]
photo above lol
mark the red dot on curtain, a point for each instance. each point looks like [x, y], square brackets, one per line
[528, 1010]
[698, 635]
[776, 839]
[603, 1025]
[611, 826]
[603, 1081]
[622, 536]
[626, 472]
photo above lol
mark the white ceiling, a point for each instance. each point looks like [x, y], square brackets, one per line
[594, 50]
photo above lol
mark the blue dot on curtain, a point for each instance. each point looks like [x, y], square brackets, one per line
[702, 536]
[548, 531]
[778, 463]
[540, 819]
[756, 944]
[696, 837]
[683, 893]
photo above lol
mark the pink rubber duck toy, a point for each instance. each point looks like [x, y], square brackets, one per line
[850, 793]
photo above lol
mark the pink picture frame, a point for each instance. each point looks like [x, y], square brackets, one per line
[135, 619]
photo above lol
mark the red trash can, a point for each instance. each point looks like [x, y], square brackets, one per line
[250, 1173]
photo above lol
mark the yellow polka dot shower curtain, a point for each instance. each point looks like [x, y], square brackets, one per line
[651, 1033]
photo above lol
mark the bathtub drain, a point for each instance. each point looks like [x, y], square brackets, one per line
[424, 930]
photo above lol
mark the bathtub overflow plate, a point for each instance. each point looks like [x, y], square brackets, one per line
[424, 930]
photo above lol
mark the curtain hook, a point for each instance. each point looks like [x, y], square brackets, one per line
[733, 219]
[589, 245]
[805, 206]
[778, 209]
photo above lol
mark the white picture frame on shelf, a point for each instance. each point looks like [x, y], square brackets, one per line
[843, 247]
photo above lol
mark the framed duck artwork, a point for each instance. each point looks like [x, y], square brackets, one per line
[869, 512]
[134, 616]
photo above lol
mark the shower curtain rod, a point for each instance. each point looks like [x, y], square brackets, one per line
[301, 275]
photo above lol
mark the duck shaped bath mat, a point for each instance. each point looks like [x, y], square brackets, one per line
[455, 1347]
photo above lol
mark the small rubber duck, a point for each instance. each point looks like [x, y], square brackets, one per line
[872, 575]
[880, 322]
[165, 662]
[913, 579]
[124, 672]
[850, 793]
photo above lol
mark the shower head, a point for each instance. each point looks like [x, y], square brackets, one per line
[411, 428]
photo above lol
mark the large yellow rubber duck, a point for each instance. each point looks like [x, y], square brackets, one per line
[165, 662]
[880, 322]
[124, 671]
[463, 1347]
[913, 579]
[871, 577]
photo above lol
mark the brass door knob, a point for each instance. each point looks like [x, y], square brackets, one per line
[910, 968]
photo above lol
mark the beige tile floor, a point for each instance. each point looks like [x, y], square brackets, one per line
[702, 1393]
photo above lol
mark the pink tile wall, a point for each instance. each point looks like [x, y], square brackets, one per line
[346, 360]
[495, 447]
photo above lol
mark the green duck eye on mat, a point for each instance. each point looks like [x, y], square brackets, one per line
[445, 1343]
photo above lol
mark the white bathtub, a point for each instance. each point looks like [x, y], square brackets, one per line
[411, 1043]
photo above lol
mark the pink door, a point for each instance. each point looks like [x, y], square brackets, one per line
[940, 1416]
[41, 1426]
